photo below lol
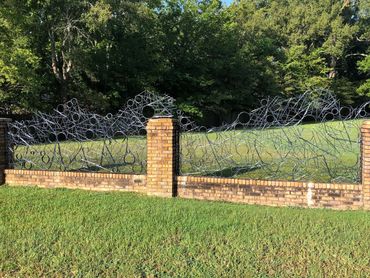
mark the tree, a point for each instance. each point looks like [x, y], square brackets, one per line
[19, 64]
[208, 68]
[213, 59]
[314, 37]
[95, 50]
[364, 39]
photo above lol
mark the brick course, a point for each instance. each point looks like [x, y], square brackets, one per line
[272, 193]
[77, 180]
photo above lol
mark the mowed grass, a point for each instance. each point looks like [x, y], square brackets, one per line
[72, 233]
[124, 155]
[323, 152]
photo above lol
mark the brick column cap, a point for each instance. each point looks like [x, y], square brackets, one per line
[365, 125]
[161, 123]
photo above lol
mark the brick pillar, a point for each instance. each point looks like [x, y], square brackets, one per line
[365, 163]
[4, 154]
[162, 156]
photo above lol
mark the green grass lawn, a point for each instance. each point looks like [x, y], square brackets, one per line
[321, 152]
[65, 233]
[124, 155]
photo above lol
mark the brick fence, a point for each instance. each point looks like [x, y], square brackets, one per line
[162, 177]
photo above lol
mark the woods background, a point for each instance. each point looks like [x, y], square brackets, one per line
[215, 59]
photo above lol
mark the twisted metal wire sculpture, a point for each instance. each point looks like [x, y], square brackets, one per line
[275, 141]
[271, 142]
[72, 138]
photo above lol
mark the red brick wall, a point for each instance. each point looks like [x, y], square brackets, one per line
[77, 180]
[272, 193]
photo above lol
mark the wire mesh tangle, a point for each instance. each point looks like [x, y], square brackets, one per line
[307, 137]
[73, 139]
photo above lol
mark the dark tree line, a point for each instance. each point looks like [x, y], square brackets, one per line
[212, 58]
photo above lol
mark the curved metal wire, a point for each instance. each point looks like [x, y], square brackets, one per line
[308, 137]
[71, 138]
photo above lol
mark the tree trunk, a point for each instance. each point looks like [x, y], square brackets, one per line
[333, 64]
[61, 67]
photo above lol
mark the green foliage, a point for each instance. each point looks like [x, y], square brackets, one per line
[58, 232]
[304, 71]
[210, 57]
[364, 66]
[314, 38]
[18, 66]
[205, 65]
[191, 110]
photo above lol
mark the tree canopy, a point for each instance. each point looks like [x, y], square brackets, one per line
[211, 57]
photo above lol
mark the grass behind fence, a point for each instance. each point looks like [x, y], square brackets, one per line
[68, 233]
[320, 152]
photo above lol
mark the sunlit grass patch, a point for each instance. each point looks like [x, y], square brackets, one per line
[63, 232]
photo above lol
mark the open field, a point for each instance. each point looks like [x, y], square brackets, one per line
[88, 234]
[316, 152]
